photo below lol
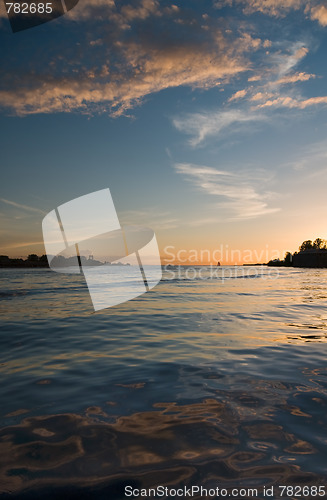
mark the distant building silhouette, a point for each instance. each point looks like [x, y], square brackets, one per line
[310, 258]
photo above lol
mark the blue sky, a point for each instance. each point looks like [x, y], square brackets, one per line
[206, 119]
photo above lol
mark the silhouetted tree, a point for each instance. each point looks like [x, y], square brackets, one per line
[319, 244]
[306, 245]
[33, 257]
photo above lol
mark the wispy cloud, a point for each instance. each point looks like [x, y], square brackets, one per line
[240, 195]
[22, 207]
[249, 106]
[280, 67]
[284, 62]
[269, 93]
[311, 160]
[200, 126]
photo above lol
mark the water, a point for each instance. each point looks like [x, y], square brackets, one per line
[209, 382]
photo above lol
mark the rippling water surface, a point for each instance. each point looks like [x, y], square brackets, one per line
[212, 382]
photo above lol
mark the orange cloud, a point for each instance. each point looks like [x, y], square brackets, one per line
[100, 9]
[271, 7]
[296, 77]
[255, 78]
[152, 70]
[289, 102]
[319, 13]
[238, 95]
[260, 96]
[130, 69]
[279, 8]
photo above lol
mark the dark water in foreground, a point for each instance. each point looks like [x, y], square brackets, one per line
[204, 382]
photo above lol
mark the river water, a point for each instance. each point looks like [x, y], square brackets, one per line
[215, 381]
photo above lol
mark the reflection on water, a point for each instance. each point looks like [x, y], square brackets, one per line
[209, 443]
[197, 382]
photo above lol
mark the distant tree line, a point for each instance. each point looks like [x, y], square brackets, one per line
[32, 260]
[318, 244]
[310, 254]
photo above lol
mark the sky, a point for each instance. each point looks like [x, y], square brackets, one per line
[206, 120]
